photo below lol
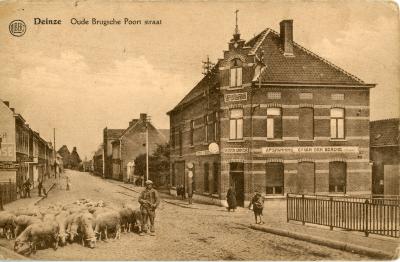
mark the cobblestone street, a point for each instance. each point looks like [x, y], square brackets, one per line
[182, 233]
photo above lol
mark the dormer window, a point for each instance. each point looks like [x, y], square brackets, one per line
[236, 73]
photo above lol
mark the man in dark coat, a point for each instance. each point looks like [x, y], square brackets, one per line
[231, 199]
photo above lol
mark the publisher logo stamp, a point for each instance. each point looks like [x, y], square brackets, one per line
[17, 28]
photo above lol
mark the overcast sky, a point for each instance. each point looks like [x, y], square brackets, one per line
[80, 79]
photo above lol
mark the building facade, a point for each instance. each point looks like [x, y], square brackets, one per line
[23, 153]
[132, 143]
[274, 117]
[109, 136]
[385, 156]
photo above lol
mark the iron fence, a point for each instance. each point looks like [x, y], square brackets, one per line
[369, 215]
[8, 193]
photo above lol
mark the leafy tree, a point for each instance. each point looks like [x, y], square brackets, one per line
[158, 164]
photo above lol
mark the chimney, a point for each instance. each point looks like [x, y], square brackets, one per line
[143, 116]
[6, 103]
[286, 35]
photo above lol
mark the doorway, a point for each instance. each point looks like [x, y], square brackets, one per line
[236, 175]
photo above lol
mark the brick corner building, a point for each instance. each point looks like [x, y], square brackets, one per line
[278, 118]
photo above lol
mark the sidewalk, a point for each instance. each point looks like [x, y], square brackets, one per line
[34, 199]
[375, 246]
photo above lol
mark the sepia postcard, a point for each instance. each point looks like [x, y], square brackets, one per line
[199, 130]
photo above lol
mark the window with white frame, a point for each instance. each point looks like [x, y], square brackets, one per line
[236, 124]
[274, 123]
[236, 73]
[337, 123]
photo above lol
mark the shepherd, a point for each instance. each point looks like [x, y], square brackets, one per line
[149, 201]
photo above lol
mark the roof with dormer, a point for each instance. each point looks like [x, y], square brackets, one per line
[304, 67]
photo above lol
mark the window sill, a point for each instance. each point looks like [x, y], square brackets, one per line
[215, 195]
[235, 141]
[338, 140]
[235, 87]
[274, 140]
[306, 140]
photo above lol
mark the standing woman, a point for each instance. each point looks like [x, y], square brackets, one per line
[231, 199]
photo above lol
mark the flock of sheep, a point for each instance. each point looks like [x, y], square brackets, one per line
[83, 221]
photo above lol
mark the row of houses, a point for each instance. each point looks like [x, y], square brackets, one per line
[274, 117]
[115, 157]
[24, 154]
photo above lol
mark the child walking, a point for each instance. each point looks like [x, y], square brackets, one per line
[258, 205]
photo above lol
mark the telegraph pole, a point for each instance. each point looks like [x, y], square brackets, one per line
[54, 152]
[207, 66]
[147, 147]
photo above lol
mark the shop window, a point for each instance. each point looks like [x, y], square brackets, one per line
[215, 177]
[274, 179]
[192, 132]
[236, 124]
[274, 123]
[337, 177]
[337, 123]
[236, 74]
[306, 123]
[206, 177]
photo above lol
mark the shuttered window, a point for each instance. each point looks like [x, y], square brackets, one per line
[274, 123]
[274, 178]
[305, 178]
[337, 177]
[306, 123]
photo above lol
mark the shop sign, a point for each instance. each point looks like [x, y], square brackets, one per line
[9, 166]
[236, 150]
[310, 149]
[235, 97]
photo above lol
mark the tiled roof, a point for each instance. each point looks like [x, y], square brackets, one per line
[384, 132]
[304, 67]
[201, 87]
[114, 133]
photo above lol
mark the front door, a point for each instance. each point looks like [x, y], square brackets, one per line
[236, 173]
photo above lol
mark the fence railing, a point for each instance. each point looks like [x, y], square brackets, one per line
[8, 193]
[369, 215]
